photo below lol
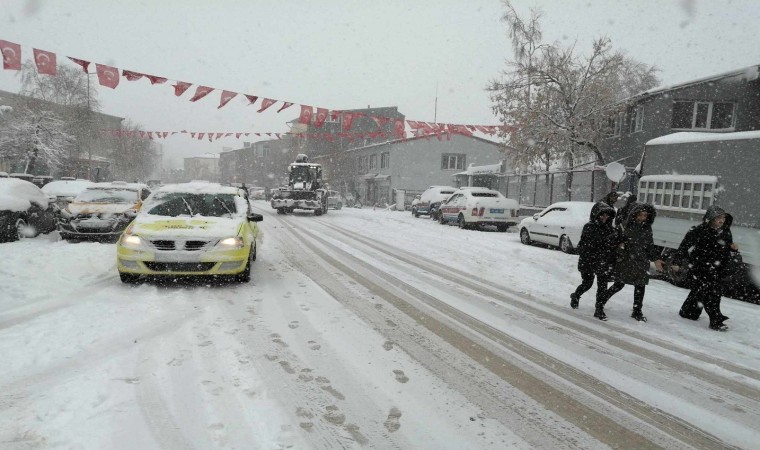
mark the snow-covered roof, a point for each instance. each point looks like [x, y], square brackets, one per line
[205, 156]
[118, 185]
[681, 178]
[481, 170]
[198, 188]
[18, 195]
[749, 73]
[691, 136]
[66, 188]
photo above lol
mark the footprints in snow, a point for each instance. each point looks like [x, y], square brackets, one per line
[293, 325]
[392, 423]
[313, 345]
[400, 376]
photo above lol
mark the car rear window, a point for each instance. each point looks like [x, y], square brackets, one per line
[447, 192]
[484, 194]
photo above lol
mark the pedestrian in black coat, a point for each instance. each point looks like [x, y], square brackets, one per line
[608, 200]
[706, 249]
[596, 250]
[623, 212]
[634, 252]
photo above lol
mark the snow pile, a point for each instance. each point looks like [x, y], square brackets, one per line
[18, 195]
[66, 188]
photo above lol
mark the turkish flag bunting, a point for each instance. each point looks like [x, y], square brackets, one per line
[414, 124]
[472, 128]
[226, 97]
[399, 128]
[142, 134]
[380, 121]
[181, 87]
[200, 92]
[131, 76]
[348, 119]
[285, 105]
[11, 55]
[237, 135]
[150, 135]
[279, 136]
[192, 135]
[156, 80]
[107, 76]
[251, 99]
[266, 103]
[491, 129]
[85, 65]
[210, 137]
[218, 135]
[321, 117]
[227, 134]
[200, 136]
[306, 112]
[482, 129]
[166, 133]
[329, 137]
[335, 115]
[46, 62]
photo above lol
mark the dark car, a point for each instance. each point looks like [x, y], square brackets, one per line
[25, 211]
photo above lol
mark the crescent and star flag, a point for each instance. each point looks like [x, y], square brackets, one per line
[399, 128]
[226, 97]
[306, 112]
[266, 103]
[321, 117]
[181, 87]
[348, 118]
[46, 62]
[131, 76]
[200, 92]
[285, 105]
[107, 76]
[85, 65]
[11, 55]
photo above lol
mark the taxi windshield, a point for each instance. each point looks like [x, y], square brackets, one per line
[191, 204]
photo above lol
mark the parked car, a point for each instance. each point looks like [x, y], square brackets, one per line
[190, 229]
[257, 193]
[335, 200]
[42, 180]
[474, 207]
[25, 211]
[414, 203]
[559, 225]
[65, 191]
[431, 199]
[102, 211]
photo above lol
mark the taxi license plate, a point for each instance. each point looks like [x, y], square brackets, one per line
[497, 211]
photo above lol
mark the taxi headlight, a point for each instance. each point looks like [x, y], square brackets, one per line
[230, 243]
[132, 241]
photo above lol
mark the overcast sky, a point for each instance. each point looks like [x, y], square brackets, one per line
[344, 54]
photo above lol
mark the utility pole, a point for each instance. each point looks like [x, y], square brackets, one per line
[435, 112]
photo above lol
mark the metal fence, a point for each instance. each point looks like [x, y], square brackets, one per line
[540, 190]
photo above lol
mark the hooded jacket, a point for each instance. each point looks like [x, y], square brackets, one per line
[597, 244]
[636, 247]
[707, 250]
[604, 202]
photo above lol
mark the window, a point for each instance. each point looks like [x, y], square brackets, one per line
[673, 192]
[637, 119]
[617, 124]
[373, 161]
[265, 151]
[703, 115]
[451, 161]
[385, 160]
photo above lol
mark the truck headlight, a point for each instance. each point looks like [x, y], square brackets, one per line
[231, 242]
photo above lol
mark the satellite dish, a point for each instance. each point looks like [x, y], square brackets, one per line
[615, 171]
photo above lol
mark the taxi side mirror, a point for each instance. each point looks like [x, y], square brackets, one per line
[255, 217]
[536, 216]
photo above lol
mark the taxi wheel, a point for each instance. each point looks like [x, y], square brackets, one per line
[245, 275]
[20, 229]
[129, 278]
[565, 245]
[525, 237]
[255, 250]
[462, 223]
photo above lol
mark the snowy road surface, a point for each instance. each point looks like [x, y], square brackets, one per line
[362, 329]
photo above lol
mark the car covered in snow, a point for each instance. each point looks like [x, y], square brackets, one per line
[190, 229]
[431, 199]
[559, 225]
[335, 200]
[65, 191]
[474, 207]
[257, 193]
[102, 211]
[25, 211]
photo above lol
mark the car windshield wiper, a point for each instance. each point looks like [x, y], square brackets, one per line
[223, 205]
[187, 205]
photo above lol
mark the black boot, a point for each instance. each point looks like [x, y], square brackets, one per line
[638, 315]
[718, 326]
[574, 299]
[599, 312]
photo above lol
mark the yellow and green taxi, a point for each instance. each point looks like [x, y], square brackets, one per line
[190, 229]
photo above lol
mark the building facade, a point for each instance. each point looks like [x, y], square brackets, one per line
[203, 167]
[262, 164]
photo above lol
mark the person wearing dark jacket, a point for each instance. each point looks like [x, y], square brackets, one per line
[609, 200]
[634, 252]
[596, 252]
[707, 250]
[623, 212]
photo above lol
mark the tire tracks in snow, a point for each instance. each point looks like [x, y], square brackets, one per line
[561, 403]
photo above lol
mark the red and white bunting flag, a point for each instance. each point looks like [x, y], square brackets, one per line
[155, 80]
[257, 134]
[181, 87]
[150, 135]
[142, 134]
[246, 134]
[11, 55]
[237, 135]
[218, 135]
[285, 105]
[306, 112]
[329, 137]
[278, 135]
[321, 117]
[210, 137]
[268, 134]
[85, 65]
[200, 136]
[399, 128]
[166, 133]
[251, 99]
[192, 135]
[414, 125]
[491, 129]
[472, 128]
[131, 76]
[227, 134]
[200, 92]
[348, 118]
[335, 115]
[107, 76]
[266, 103]
[175, 132]
[226, 97]
[46, 62]
[380, 121]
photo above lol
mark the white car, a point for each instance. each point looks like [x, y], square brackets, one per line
[472, 207]
[431, 199]
[335, 200]
[65, 191]
[559, 225]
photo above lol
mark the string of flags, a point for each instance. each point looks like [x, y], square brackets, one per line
[109, 76]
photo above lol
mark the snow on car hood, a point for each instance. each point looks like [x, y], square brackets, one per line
[99, 208]
[186, 226]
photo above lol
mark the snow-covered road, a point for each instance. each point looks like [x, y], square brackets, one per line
[368, 329]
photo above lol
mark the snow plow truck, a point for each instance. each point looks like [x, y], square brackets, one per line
[304, 190]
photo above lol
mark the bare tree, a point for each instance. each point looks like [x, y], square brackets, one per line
[35, 137]
[560, 99]
[70, 87]
[134, 157]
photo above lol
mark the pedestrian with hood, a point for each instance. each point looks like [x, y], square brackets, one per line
[634, 252]
[596, 250]
[623, 212]
[608, 200]
[707, 250]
